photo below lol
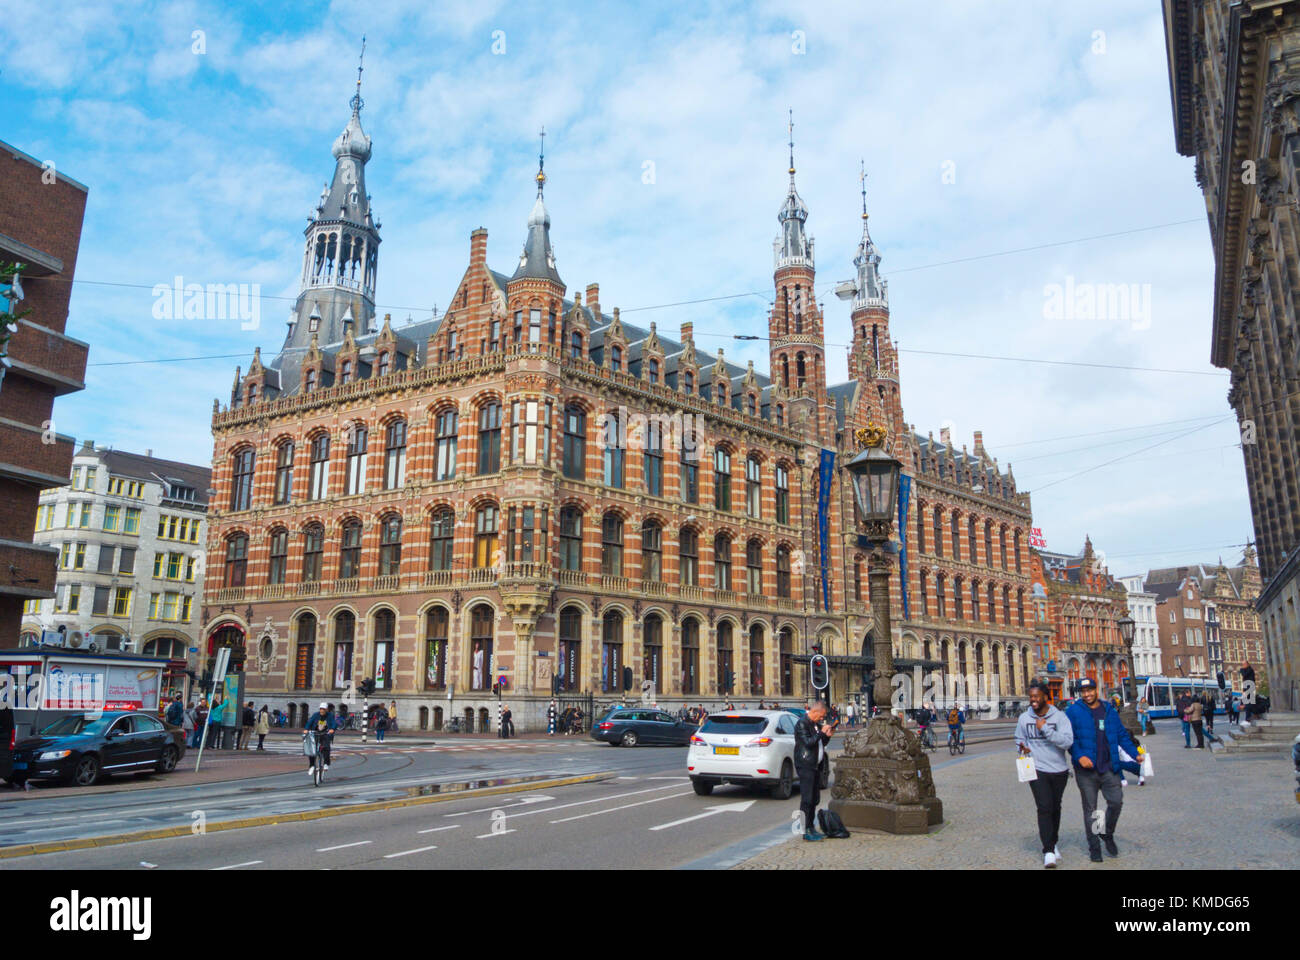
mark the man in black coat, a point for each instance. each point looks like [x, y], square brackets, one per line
[811, 735]
[1248, 693]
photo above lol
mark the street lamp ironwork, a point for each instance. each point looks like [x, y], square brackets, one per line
[1128, 711]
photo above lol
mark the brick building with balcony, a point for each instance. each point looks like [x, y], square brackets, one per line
[41, 213]
[528, 487]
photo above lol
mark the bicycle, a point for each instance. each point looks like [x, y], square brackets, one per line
[318, 758]
[926, 736]
[956, 742]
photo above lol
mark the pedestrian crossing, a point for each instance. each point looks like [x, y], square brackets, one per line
[373, 748]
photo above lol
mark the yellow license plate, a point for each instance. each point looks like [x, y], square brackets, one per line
[727, 751]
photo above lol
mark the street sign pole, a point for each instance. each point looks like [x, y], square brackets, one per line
[218, 675]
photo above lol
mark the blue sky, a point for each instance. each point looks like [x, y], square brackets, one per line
[985, 128]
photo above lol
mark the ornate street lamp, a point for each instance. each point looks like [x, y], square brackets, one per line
[1128, 713]
[882, 779]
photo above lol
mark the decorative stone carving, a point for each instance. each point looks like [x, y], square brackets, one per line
[1280, 96]
[1270, 185]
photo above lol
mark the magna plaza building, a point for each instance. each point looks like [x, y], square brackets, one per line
[528, 489]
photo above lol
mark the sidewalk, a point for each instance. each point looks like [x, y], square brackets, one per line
[1198, 811]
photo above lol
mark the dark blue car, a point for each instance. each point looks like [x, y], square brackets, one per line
[80, 749]
[629, 726]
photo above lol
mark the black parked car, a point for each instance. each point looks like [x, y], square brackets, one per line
[75, 749]
[629, 726]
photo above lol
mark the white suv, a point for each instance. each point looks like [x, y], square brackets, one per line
[750, 747]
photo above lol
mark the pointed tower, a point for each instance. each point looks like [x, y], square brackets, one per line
[341, 256]
[536, 284]
[795, 326]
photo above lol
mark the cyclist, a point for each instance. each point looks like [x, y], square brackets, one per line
[956, 718]
[321, 725]
[923, 720]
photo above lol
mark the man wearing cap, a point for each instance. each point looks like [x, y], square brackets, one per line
[322, 724]
[1098, 736]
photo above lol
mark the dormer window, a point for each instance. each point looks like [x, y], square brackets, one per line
[616, 357]
[575, 346]
[451, 344]
[251, 396]
[382, 369]
[722, 393]
[311, 381]
[345, 374]
[690, 382]
[313, 324]
[753, 406]
[654, 370]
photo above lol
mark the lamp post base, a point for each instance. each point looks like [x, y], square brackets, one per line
[883, 781]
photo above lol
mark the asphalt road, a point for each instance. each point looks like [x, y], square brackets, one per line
[645, 816]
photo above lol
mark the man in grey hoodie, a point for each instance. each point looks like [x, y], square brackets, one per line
[1044, 733]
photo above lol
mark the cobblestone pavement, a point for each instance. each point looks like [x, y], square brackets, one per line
[1198, 811]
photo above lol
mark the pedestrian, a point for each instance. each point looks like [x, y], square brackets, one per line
[187, 723]
[175, 712]
[246, 729]
[811, 735]
[1247, 693]
[200, 721]
[381, 725]
[1184, 707]
[852, 714]
[1230, 706]
[507, 722]
[1207, 713]
[392, 717]
[1044, 733]
[1098, 736]
[1144, 717]
[262, 727]
[1194, 718]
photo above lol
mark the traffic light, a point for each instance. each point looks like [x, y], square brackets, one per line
[367, 687]
[496, 688]
[819, 671]
[731, 680]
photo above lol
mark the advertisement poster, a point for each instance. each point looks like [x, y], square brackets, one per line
[70, 685]
[230, 686]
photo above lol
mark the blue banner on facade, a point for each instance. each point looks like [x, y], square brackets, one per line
[826, 475]
[904, 494]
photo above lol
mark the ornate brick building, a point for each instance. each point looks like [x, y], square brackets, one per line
[528, 487]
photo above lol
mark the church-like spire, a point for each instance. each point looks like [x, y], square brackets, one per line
[869, 285]
[793, 246]
[538, 260]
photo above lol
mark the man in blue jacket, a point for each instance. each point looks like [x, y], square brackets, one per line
[1098, 735]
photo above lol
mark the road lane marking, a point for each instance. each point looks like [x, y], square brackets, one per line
[454, 826]
[639, 803]
[720, 808]
[344, 846]
[522, 802]
[236, 866]
[405, 853]
[499, 833]
[579, 803]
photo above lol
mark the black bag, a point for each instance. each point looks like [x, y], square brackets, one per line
[832, 825]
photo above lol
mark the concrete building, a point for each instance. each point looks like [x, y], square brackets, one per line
[41, 212]
[1234, 80]
[1146, 631]
[129, 532]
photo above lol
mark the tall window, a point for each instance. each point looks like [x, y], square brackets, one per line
[312, 551]
[654, 370]
[530, 427]
[350, 550]
[385, 632]
[236, 560]
[390, 545]
[972, 539]
[753, 488]
[722, 561]
[345, 634]
[689, 382]
[654, 458]
[279, 556]
[575, 345]
[395, 455]
[384, 364]
[444, 467]
[1002, 546]
[939, 595]
[570, 539]
[690, 549]
[613, 452]
[954, 525]
[857, 579]
[442, 533]
[241, 490]
[481, 636]
[485, 536]
[783, 571]
[575, 442]
[355, 478]
[652, 662]
[975, 600]
[284, 472]
[489, 438]
[726, 662]
[318, 480]
[690, 655]
[525, 536]
[756, 666]
[310, 381]
[305, 654]
[938, 532]
[534, 326]
[782, 495]
[435, 648]
[611, 652]
[611, 546]
[690, 475]
[787, 661]
[652, 547]
[754, 567]
[616, 358]
[721, 479]
[569, 665]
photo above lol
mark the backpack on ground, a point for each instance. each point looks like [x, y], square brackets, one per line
[832, 825]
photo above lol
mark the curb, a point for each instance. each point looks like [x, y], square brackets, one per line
[163, 833]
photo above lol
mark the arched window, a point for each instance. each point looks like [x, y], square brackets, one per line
[313, 549]
[925, 594]
[857, 579]
[350, 551]
[236, 560]
[442, 539]
[611, 652]
[279, 556]
[489, 438]
[395, 455]
[1016, 549]
[690, 655]
[481, 642]
[756, 666]
[992, 604]
[787, 661]
[1002, 545]
[241, 488]
[305, 652]
[754, 568]
[575, 442]
[940, 596]
[390, 546]
[721, 479]
[800, 371]
[785, 372]
[570, 539]
[569, 661]
[975, 600]
[444, 467]
[653, 465]
[726, 661]
[345, 633]
[690, 550]
[311, 381]
[782, 494]
[652, 547]
[385, 627]
[722, 392]
[612, 447]
[783, 571]
[284, 472]
[318, 479]
[652, 661]
[485, 536]
[611, 545]
[354, 481]
[722, 561]
[575, 345]
[690, 477]
[972, 539]
[436, 622]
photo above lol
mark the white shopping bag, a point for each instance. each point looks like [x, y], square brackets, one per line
[1025, 769]
[308, 745]
[1147, 769]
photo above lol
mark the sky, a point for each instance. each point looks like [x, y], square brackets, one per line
[1021, 174]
